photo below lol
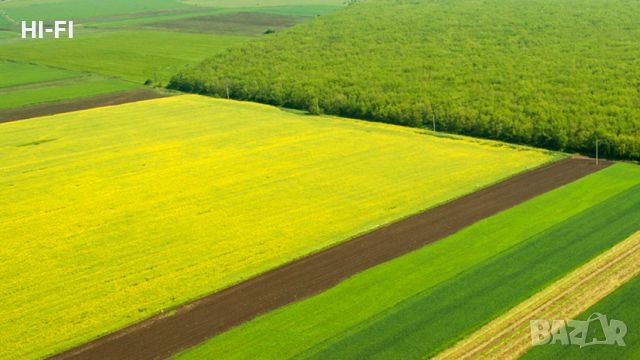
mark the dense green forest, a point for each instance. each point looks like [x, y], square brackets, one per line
[555, 74]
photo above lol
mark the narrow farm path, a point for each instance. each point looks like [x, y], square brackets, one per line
[191, 324]
[4, 15]
[509, 336]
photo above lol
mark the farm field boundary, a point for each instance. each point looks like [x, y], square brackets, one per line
[162, 336]
[65, 106]
[437, 318]
[423, 74]
[509, 336]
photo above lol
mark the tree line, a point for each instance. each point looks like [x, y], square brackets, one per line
[556, 75]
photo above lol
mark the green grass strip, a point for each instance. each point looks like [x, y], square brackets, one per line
[622, 305]
[437, 318]
[36, 96]
[293, 329]
[7, 34]
[14, 74]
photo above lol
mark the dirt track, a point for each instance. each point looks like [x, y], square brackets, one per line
[64, 106]
[193, 323]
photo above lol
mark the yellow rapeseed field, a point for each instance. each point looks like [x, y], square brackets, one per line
[109, 215]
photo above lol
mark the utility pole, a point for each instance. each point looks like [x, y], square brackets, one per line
[227, 82]
[596, 151]
[434, 122]
[317, 106]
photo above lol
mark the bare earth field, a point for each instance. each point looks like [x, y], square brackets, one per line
[191, 324]
[509, 336]
[59, 107]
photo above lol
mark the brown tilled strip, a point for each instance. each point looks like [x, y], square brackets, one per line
[509, 336]
[64, 106]
[193, 323]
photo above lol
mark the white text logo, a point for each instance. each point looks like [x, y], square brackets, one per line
[610, 333]
[39, 30]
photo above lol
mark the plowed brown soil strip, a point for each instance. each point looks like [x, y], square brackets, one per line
[509, 336]
[193, 323]
[64, 106]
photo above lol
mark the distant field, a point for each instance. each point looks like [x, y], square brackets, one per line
[133, 55]
[237, 24]
[4, 23]
[620, 305]
[293, 10]
[51, 10]
[14, 74]
[36, 96]
[296, 10]
[94, 204]
[420, 302]
[257, 3]
[7, 34]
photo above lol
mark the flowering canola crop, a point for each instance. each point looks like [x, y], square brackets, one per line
[109, 215]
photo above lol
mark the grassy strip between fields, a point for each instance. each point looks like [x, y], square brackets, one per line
[293, 10]
[14, 74]
[438, 317]
[57, 93]
[133, 55]
[293, 329]
[621, 305]
[509, 336]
